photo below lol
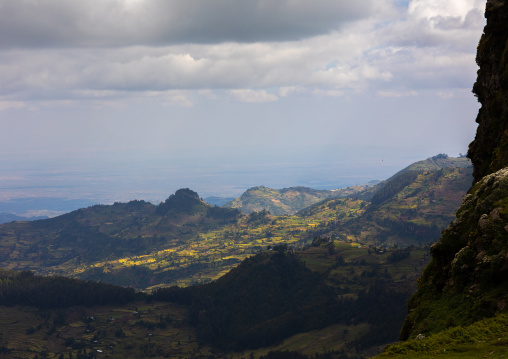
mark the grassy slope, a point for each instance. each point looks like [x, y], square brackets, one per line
[294, 199]
[237, 304]
[438, 162]
[466, 278]
[119, 332]
[487, 338]
[122, 241]
[414, 214]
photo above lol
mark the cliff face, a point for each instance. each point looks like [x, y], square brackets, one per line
[467, 278]
[489, 150]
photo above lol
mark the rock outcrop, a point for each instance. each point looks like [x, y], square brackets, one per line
[489, 150]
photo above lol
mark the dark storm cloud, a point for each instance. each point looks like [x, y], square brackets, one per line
[92, 23]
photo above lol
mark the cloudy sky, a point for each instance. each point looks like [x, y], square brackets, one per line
[123, 99]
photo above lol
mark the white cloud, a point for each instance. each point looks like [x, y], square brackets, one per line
[285, 91]
[446, 95]
[397, 93]
[427, 23]
[331, 93]
[434, 9]
[349, 76]
[251, 96]
[4, 105]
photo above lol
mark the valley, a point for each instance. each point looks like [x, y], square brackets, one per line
[161, 324]
[214, 282]
[185, 241]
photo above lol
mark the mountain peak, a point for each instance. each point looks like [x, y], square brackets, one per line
[184, 200]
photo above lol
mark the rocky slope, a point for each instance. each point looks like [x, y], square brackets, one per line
[466, 278]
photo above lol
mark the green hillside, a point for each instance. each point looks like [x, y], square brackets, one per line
[436, 163]
[466, 279]
[73, 243]
[410, 208]
[431, 164]
[277, 202]
[288, 200]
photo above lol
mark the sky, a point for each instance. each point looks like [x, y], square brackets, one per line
[114, 100]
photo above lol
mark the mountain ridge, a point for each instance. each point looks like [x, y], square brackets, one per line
[9, 217]
[295, 199]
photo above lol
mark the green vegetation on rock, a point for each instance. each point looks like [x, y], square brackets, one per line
[466, 278]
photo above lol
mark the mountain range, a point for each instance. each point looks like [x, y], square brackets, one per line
[185, 240]
[9, 217]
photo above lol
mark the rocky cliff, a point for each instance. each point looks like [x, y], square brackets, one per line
[467, 278]
[489, 150]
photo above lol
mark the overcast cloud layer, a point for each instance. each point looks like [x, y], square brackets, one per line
[74, 70]
[93, 23]
[80, 49]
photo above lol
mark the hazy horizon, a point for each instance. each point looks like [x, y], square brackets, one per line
[56, 191]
